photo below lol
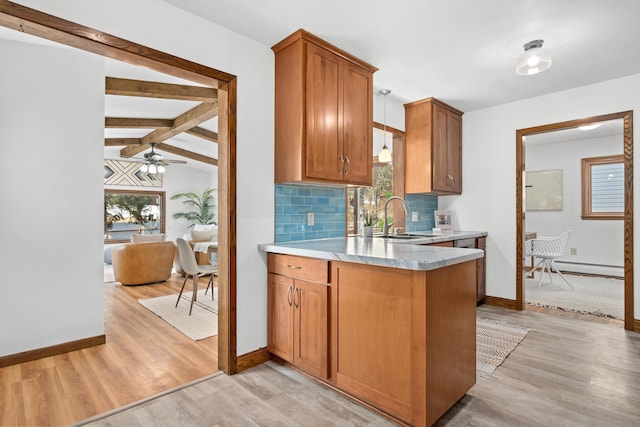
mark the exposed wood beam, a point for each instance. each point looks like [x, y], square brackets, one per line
[394, 131]
[182, 123]
[132, 123]
[186, 153]
[117, 142]
[203, 133]
[128, 87]
[31, 21]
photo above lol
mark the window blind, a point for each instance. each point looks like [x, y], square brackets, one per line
[607, 187]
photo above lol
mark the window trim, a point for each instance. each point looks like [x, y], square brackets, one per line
[163, 209]
[397, 162]
[587, 163]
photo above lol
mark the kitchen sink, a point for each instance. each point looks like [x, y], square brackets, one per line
[399, 236]
[422, 234]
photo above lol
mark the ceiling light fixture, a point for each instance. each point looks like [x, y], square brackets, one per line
[589, 127]
[534, 60]
[385, 155]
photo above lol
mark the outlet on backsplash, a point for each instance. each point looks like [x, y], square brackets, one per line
[421, 207]
[307, 212]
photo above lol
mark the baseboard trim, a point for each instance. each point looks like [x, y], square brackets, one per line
[500, 302]
[636, 325]
[254, 358]
[54, 350]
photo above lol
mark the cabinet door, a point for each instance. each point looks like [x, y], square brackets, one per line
[373, 328]
[311, 324]
[454, 152]
[357, 119]
[324, 149]
[440, 178]
[280, 316]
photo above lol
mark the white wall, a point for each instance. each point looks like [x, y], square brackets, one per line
[488, 163]
[598, 243]
[166, 28]
[180, 179]
[51, 133]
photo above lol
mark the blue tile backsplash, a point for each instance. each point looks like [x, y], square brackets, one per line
[424, 204]
[293, 203]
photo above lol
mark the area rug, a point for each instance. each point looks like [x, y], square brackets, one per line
[494, 342]
[108, 274]
[600, 296]
[203, 322]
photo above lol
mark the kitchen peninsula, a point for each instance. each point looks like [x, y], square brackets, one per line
[390, 323]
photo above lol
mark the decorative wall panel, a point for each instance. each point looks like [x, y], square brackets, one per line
[122, 172]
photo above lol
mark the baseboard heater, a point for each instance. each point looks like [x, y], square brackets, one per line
[589, 268]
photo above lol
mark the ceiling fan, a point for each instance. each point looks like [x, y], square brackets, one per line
[155, 163]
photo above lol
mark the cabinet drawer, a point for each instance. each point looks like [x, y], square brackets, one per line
[313, 270]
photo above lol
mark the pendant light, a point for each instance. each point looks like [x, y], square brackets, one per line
[385, 155]
[534, 60]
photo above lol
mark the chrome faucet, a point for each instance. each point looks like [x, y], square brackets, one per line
[386, 225]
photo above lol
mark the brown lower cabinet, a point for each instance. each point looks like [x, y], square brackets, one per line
[481, 265]
[402, 341]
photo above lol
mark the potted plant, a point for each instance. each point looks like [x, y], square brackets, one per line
[203, 207]
[367, 225]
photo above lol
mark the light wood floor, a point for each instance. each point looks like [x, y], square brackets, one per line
[143, 356]
[565, 372]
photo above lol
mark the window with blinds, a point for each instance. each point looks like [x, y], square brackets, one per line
[603, 187]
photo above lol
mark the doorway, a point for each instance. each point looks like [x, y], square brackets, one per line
[521, 134]
[49, 27]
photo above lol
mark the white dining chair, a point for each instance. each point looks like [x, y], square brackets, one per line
[191, 268]
[548, 249]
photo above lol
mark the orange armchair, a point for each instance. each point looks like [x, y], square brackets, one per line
[142, 263]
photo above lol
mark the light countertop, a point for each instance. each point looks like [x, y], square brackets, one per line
[409, 254]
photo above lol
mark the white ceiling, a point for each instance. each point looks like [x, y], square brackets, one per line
[460, 51]
[604, 131]
[128, 106]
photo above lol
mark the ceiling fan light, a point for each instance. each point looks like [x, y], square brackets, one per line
[153, 169]
[534, 60]
[144, 168]
[161, 169]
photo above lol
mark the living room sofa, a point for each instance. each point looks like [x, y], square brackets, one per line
[142, 263]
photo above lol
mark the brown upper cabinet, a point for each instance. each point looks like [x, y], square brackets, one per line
[433, 148]
[323, 113]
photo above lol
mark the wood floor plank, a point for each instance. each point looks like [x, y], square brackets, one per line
[142, 356]
[565, 372]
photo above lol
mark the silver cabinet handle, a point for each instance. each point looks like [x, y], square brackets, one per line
[295, 304]
[341, 165]
[289, 296]
[348, 165]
